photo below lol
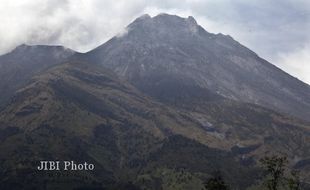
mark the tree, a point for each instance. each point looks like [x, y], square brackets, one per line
[294, 181]
[216, 182]
[275, 168]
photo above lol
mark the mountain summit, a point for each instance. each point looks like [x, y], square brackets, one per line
[171, 58]
[164, 23]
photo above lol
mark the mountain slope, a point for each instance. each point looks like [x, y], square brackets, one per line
[174, 59]
[81, 111]
[18, 66]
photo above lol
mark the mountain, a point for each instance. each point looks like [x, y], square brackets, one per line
[18, 66]
[161, 107]
[174, 59]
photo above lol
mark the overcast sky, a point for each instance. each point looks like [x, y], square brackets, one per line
[278, 30]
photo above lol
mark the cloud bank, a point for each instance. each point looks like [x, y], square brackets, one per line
[277, 30]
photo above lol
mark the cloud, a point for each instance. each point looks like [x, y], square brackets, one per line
[78, 24]
[277, 30]
[297, 63]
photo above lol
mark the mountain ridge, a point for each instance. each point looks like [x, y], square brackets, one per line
[19, 65]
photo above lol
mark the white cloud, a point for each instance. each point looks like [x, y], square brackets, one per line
[78, 24]
[296, 63]
[270, 28]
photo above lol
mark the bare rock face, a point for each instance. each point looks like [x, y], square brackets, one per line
[173, 58]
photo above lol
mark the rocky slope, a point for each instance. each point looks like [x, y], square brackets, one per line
[170, 57]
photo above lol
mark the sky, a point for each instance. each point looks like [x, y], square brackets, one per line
[277, 30]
